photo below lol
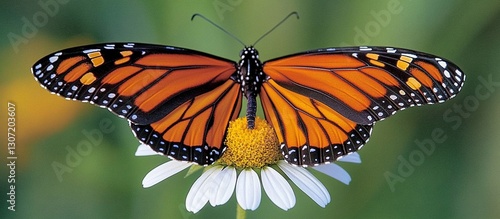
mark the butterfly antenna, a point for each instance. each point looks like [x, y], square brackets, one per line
[284, 19]
[220, 28]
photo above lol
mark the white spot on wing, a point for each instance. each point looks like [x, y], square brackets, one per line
[446, 73]
[391, 50]
[409, 55]
[442, 64]
[53, 59]
[91, 50]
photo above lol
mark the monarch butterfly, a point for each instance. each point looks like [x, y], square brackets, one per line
[322, 103]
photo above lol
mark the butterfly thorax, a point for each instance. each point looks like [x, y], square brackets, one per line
[250, 76]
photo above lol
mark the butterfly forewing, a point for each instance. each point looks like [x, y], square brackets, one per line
[329, 88]
[148, 85]
[140, 82]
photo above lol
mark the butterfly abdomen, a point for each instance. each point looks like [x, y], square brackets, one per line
[250, 76]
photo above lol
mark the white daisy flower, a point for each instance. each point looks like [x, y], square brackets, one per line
[235, 172]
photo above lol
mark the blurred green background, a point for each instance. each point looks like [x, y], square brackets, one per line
[459, 178]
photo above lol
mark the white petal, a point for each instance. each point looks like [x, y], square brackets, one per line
[277, 188]
[164, 171]
[226, 182]
[145, 150]
[352, 158]
[334, 171]
[306, 182]
[202, 189]
[248, 190]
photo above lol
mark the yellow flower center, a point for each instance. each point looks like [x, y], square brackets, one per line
[250, 148]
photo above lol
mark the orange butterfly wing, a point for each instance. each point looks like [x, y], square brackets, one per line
[175, 99]
[324, 103]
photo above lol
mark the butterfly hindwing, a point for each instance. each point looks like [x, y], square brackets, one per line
[310, 132]
[355, 85]
[195, 130]
[147, 84]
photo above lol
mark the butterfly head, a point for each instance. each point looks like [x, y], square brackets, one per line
[249, 51]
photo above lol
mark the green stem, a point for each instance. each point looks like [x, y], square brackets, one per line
[240, 212]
